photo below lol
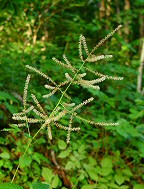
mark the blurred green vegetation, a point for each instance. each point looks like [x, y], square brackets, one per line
[32, 32]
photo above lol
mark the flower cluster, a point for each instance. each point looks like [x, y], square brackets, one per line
[65, 106]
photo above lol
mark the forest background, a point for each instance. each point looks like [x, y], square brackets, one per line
[32, 32]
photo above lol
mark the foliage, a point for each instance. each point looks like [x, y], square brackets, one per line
[32, 32]
[36, 185]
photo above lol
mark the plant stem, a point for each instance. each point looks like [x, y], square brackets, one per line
[25, 153]
[31, 140]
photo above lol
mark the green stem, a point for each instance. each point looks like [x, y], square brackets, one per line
[21, 160]
[25, 153]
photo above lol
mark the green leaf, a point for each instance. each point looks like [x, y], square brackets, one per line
[92, 173]
[105, 171]
[106, 162]
[26, 161]
[103, 180]
[81, 149]
[39, 185]
[127, 172]
[139, 186]
[10, 186]
[82, 176]
[113, 185]
[88, 186]
[77, 164]
[10, 107]
[27, 135]
[102, 186]
[62, 144]
[47, 174]
[119, 179]
[92, 161]
[5, 96]
[14, 128]
[5, 155]
[1, 163]
[124, 187]
[69, 165]
[55, 181]
[64, 153]
[42, 157]
[36, 157]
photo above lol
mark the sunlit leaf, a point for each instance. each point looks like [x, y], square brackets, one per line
[139, 186]
[39, 185]
[119, 179]
[47, 174]
[64, 153]
[69, 165]
[88, 186]
[62, 144]
[55, 181]
[106, 162]
[10, 186]
[5, 155]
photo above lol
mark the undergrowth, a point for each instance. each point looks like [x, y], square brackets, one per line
[65, 108]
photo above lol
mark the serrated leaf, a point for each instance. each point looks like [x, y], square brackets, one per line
[10, 186]
[119, 179]
[55, 181]
[62, 144]
[39, 185]
[47, 174]
[64, 153]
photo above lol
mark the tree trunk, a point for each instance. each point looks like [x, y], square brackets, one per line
[140, 71]
[141, 23]
[126, 28]
[102, 9]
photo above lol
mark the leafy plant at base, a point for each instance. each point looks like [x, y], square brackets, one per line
[36, 185]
